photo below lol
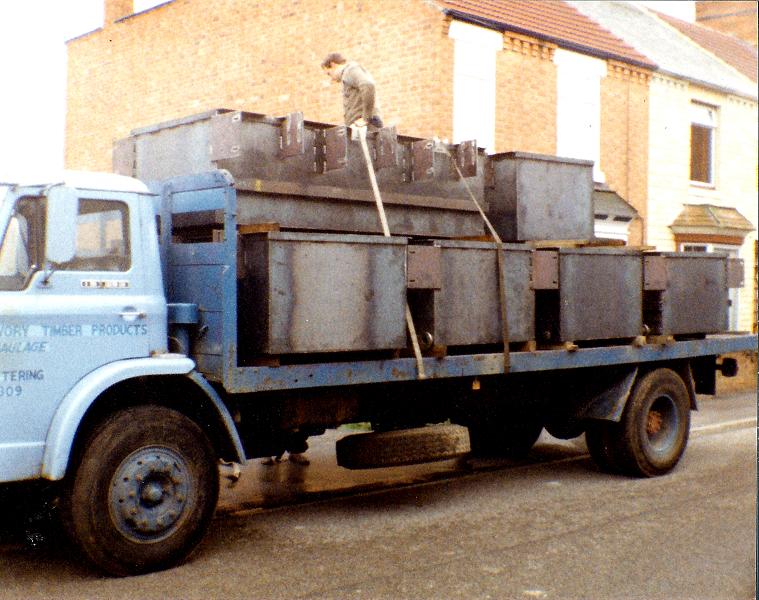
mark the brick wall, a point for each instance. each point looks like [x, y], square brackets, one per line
[624, 138]
[189, 56]
[525, 96]
[735, 167]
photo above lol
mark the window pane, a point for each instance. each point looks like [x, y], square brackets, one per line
[22, 247]
[701, 153]
[102, 237]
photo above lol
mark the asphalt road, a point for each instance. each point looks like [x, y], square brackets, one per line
[552, 526]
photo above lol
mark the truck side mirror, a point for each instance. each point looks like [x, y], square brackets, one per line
[62, 211]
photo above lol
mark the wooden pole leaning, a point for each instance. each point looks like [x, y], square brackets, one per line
[500, 264]
[386, 232]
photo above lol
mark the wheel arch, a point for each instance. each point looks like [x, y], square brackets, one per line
[169, 382]
[610, 404]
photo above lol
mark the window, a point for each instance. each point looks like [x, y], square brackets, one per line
[694, 248]
[702, 129]
[23, 244]
[102, 237]
[474, 83]
[578, 107]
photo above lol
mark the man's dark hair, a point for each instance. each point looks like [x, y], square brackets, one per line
[333, 58]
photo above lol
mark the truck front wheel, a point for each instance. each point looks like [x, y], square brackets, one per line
[144, 492]
[653, 432]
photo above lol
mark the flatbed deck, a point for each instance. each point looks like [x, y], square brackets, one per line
[261, 379]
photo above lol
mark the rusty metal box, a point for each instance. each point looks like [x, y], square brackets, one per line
[310, 176]
[304, 293]
[539, 197]
[464, 305]
[685, 293]
[588, 294]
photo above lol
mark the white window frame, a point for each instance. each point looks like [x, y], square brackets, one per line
[705, 116]
[611, 227]
[474, 83]
[578, 107]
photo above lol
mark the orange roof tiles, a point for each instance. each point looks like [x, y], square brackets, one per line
[551, 20]
[737, 53]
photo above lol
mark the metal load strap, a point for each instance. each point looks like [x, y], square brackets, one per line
[500, 263]
[386, 232]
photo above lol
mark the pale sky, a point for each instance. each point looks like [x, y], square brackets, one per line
[33, 71]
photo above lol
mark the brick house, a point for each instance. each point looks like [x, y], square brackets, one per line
[530, 76]
[737, 18]
[702, 167]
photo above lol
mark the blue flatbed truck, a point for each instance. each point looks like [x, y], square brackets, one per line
[125, 378]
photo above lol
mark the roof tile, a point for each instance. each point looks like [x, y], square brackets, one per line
[737, 53]
[552, 20]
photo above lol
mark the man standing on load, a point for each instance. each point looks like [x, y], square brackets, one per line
[359, 105]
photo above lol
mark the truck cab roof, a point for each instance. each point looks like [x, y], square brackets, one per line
[85, 180]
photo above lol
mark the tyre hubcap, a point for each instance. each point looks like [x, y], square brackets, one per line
[662, 424]
[149, 494]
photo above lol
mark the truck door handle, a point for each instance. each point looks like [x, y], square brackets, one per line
[131, 314]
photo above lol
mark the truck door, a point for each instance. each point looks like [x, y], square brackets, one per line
[60, 322]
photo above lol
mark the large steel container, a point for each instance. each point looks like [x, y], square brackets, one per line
[455, 296]
[588, 294]
[685, 293]
[313, 293]
[311, 176]
[539, 197]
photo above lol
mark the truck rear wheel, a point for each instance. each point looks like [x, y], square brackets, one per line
[653, 432]
[144, 491]
[600, 437]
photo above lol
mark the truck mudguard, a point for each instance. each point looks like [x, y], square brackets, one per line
[610, 404]
[75, 404]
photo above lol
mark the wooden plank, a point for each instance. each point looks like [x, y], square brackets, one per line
[257, 228]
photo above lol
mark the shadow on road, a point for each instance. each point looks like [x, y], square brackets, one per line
[31, 538]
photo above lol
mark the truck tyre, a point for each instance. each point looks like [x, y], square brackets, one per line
[653, 432]
[402, 447]
[565, 429]
[511, 436]
[600, 437]
[144, 491]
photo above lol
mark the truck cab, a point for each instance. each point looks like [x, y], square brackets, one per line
[80, 288]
